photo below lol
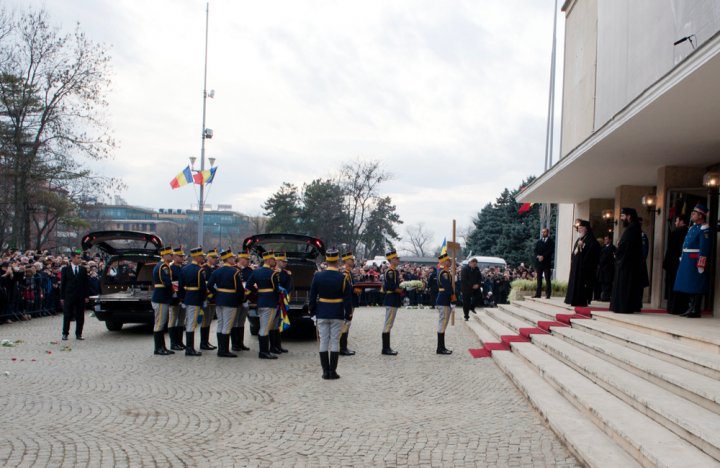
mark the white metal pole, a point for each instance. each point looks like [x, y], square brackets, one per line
[201, 204]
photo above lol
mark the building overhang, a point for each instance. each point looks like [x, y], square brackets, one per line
[675, 122]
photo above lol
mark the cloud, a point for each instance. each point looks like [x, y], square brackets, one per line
[450, 96]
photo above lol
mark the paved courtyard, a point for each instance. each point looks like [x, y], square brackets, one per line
[109, 402]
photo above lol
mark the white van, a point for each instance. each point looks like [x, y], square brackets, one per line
[487, 262]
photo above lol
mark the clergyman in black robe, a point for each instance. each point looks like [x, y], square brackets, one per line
[606, 270]
[631, 276]
[583, 266]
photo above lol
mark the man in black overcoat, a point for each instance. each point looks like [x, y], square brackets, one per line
[606, 269]
[74, 294]
[471, 281]
[631, 276]
[583, 266]
[544, 253]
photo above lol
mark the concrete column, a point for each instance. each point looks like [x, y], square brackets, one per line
[668, 177]
[564, 240]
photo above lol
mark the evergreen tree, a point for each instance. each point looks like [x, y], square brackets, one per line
[322, 213]
[283, 210]
[500, 231]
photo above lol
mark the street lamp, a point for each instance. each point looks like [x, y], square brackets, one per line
[206, 133]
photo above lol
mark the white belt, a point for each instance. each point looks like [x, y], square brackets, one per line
[691, 250]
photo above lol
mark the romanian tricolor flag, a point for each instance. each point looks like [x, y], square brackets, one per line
[283, 304]
[204, 177]
[443, 247]
[525, 207]
[184, 178]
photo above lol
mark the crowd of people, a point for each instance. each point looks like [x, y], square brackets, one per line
[30, 283]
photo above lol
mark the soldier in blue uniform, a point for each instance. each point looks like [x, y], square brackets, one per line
[193, 289]
[209, 310]
[286, 282]
[237, 333]
[161, 298]
[391, 288]
[331, 304]
[265, 282]
[176, 319]
[691, 278]
[225, 284]
[349, 263]
[444, 301]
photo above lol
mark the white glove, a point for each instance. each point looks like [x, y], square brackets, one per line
[701, 270]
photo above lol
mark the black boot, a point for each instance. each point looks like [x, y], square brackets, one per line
[163, 342]
[344, 351]
[333, 365]
[224, 346]
[264, 349]
[205, 339]
[272, 340]
[278, 342]
[693, 307]
[190, 347]
[386, 349]
[441, 349]
[176, 339]
[241, 339]
[159, 338]
[325, 363]
[235, 338]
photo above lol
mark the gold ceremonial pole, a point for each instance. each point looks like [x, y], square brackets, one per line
[453, 267]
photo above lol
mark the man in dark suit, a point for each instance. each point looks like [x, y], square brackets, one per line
[471, 280]
[544, 253]
[74, 294]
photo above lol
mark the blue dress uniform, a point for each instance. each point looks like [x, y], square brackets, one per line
[209, 307]
[391, 288]
[265, 282]
[193, 288]
[161, 298]
[225, 284]
[443, 302]
[349, 260]
[237, 332]
[176, 319]
[691, 278]
[286, 282]
[331, 304]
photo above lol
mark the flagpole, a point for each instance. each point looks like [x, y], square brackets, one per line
[201, 204]
[549, 131]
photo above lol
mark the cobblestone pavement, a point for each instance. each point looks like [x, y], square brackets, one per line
[110, 402]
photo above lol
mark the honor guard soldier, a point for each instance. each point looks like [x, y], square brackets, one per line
[161, 298]
[225, 284]
[176, 320]
[349, 263]
[237, 333]
[286, 282]
[444, 300]
[331, 304]
[209, 312]
[265, 282]
[391, 287]
[691, 278]
[193, 287]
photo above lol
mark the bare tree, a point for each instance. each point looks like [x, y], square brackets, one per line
[360, 180]
[418, 239]
[52, 94]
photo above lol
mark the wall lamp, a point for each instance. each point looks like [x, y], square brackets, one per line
[609, 216]
[649, 201]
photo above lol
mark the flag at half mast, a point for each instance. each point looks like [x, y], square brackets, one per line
[184, 178]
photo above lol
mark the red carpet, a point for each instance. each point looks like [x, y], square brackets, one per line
[479, 353]
[496, 347]
[526, 332]
[507, 339]
[547, 325]
[565, 318]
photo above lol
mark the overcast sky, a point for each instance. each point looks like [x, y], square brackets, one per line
[451, 96]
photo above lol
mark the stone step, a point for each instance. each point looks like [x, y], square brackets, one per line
[668, 350]
[701, 333]
[590, 445]
[547, 310]
[694, 423]
[530, 317]
[650, 443]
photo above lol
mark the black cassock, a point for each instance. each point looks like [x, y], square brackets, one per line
[583, 271]
[631, 276]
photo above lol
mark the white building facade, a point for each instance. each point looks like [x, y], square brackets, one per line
[640, 116]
